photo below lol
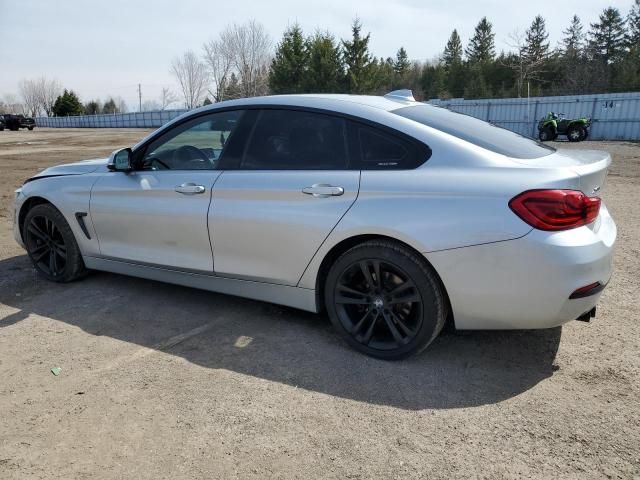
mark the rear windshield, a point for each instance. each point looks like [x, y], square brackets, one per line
[478, 132]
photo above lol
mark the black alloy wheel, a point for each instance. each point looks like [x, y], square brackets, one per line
[385, 300]
[51, 245]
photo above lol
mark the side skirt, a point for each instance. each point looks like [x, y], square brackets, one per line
[296, 297]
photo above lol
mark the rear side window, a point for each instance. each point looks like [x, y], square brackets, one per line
[382, 150]
[296, 140]
[476, 131]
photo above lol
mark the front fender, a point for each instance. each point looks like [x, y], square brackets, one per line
[70, 195]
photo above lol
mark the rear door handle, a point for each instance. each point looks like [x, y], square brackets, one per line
[190, 189]
[322, 190]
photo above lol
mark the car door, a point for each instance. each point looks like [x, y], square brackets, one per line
[281, 194]
[157, 214]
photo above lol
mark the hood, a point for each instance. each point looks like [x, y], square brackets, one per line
[76, 168]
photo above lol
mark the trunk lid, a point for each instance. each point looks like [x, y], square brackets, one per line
[590, 165]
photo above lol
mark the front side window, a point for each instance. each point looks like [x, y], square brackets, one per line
[296, 140]
[194, 145]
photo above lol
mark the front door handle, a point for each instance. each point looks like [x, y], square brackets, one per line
[322, 190]
[190, 189]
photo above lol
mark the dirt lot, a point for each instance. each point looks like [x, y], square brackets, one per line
[160, 381]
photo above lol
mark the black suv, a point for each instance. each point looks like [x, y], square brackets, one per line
[16, 122]
[1, 123]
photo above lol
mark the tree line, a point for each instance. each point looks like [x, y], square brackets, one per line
[240, 62]
[605, 58]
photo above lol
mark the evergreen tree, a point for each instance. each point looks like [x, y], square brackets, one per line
[207, 101]
[110, 106]
[67, 104]
[233, 88]
[453, 65]
[326, 72]
[481, 48]
[573, 41]
[92, 107]
[633, 25]
[607, 37]
[401, 64]
[290, 64]
[453, 51]
[360, 65]
[537, 45]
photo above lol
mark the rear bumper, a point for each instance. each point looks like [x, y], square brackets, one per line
[526, 283]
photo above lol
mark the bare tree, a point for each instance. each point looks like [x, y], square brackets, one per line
[167, 97]
[220, 60]
[525, 67]
[251, 47]
[12, 104]
[150, 106]
[48, 92]
[30, 94]
[192, 76]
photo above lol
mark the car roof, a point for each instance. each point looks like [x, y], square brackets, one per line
[339, 102]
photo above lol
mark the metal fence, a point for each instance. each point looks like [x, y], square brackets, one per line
[117, 120]
[615, 116]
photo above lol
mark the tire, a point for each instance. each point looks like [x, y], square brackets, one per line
[51, 245]
[30, 128]
[545, 134]
[369, 315]
[575, 133]
[585, 134]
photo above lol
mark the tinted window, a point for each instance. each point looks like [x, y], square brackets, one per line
[478, 132]
[296, 140]
[194, 145]
[381, 150]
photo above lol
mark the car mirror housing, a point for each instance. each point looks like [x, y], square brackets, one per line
[120, 160]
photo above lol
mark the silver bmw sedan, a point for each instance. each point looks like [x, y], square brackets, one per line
[392, 216]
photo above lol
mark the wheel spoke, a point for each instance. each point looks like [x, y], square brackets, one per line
[62, 253]
[376, 271]
[392, 328]
[367, 336]
[39, 256]
[401, 288]
[351, 301]
[407, 331]
[356, 328]
[34, 229]
[364, 266]
[53, 264]
[412, 298]
[344, 289]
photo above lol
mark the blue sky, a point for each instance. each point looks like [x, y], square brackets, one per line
[108, 47]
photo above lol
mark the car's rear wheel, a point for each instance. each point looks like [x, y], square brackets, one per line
[30, 128]
[385, 300]
[51, 245]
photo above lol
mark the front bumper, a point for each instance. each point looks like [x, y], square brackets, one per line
[19, 200]
[526, 283]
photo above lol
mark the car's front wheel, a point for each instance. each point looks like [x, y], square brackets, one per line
[385, 300]
[51, 245]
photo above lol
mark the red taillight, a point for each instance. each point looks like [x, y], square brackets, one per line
[555, 209]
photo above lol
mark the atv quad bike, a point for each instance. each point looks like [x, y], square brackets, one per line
[552, 125]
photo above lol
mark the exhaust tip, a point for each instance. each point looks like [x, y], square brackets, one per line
[587, 316]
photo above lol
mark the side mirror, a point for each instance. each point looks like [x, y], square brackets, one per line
[120, 160]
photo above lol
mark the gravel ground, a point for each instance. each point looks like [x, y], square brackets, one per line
[160, 381]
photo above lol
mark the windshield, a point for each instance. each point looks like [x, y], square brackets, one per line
[476, 131]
